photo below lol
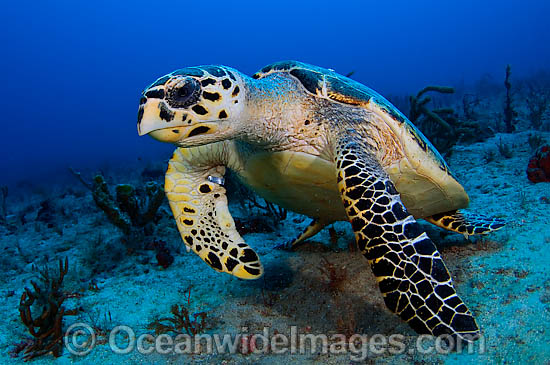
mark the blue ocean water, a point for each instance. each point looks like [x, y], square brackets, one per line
[73, 71]
[73, 74]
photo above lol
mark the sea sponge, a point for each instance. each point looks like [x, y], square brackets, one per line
[538, 169]
[131, 207]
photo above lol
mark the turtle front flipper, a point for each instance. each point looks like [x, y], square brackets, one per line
[411, 275]
[200, 208]
[467, 223]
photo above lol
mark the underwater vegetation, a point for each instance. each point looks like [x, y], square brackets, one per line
[42, 313]
[418, 106]
[131, 208]
[445, 127]
[180, 322]
[134, 210]
[162, 253]
[442, 126]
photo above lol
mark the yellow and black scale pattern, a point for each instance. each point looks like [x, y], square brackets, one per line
[466, 223]
[202, 216]
[410, 272]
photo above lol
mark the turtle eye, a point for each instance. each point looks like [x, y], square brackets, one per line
[185, 93]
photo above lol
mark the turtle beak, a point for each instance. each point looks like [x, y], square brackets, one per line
[149, 116]
[165, 125]
[158, 121]
[141, 127]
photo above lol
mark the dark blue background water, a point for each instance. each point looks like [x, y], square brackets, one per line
[72, 71]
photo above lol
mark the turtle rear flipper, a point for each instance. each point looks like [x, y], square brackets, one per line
[314, 227]
[200, 208]
[467, 223]
[410, 272]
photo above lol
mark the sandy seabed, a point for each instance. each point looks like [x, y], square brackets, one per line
[503, 277]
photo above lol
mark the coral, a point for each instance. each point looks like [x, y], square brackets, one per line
[100, 321]
[20, 346]
[45, 328]
[538, 169]
[163, 255]
[509, 113]
[442, 126]
[3, 196]
[180, 322]
[131, 208]
[418, 106]
[105, 202]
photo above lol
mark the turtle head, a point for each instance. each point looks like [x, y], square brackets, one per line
[193, 106]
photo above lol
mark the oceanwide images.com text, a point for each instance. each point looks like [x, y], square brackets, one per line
[80, 339]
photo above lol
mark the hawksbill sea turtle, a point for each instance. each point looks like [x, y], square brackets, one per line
[322, 145]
